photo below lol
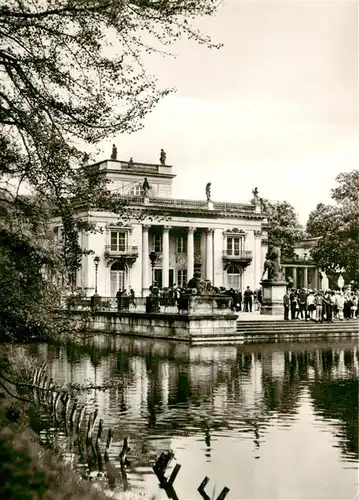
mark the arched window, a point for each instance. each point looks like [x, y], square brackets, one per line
[117, 277]
[234, 277]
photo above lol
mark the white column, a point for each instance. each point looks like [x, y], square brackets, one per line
[305, 277]
[190, 253]
[257, 257]
[165, 257]
[145, 260]
[209, 255]
[295, 279]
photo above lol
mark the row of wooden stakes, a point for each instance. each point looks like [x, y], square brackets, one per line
[60, 401]
[45, 392]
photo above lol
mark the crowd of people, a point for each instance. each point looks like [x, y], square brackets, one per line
[299, 304]
[319, 305]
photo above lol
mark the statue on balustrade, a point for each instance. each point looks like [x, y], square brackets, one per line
[208, 191]
[114, 152]
[272, 266]
[257, 200]
[163, 157]
[146, 187]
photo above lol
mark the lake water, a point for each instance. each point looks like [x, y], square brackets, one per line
[266, 421]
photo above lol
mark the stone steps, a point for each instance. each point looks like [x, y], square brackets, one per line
[278, 330]
[212, 339]
[296, 325]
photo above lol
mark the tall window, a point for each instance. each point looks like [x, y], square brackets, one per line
[234, 245]
[182, 277]
[182, 244]
[157, 242]
[117, 278]
[197, 242]
[234, 277]
[118, 241]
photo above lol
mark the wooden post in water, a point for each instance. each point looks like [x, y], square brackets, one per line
[108, 443]
[57, 400]
[99, 432]
[34, 383]
[73, 414]
[67, 406]
[204, 495]
[90, 426]
[124, 451]
[79, 421]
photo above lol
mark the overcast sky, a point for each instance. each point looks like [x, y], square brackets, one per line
[276, 107]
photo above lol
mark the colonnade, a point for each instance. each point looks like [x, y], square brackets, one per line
[166, 255]
[315, 282]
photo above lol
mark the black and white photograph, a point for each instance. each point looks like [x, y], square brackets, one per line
[179, 249]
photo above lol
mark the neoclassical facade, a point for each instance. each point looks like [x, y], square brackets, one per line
[225, 242]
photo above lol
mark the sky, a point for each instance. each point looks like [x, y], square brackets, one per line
[276, 107]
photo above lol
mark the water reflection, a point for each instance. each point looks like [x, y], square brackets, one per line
[268, 421]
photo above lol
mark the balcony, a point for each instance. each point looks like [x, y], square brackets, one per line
[127, 255]
[242, 257]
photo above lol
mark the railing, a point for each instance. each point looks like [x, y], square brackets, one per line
[186, 303]
[140, 166]
[240, 255]
[128, 250]
[233, 207]
[179, 202]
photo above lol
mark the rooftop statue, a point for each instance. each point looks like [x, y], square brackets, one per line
[208, 191]
[130, 163]
[163, 157]
[146, 187]
[255, 199]
[272, 266]
[114, 152]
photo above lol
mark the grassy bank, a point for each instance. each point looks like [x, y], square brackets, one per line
[27, 470]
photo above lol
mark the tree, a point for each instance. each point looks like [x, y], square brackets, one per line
[284, 229]
[71, 74]
[336, 227]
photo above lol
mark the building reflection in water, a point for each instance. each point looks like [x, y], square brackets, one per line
[170, 390]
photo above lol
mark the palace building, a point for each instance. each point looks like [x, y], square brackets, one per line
[225, 242]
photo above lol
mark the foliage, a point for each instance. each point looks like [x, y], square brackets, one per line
[72, 73]
[29, 472]
[336, 227]
[284, 229]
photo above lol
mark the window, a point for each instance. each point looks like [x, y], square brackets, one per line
[58, 235]
[118, 241]
[136, 190]
[117, 278]
[234, 245]
[197, 242]
[234, 277]
[182, 277]
[182, 244]
[157, 242]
